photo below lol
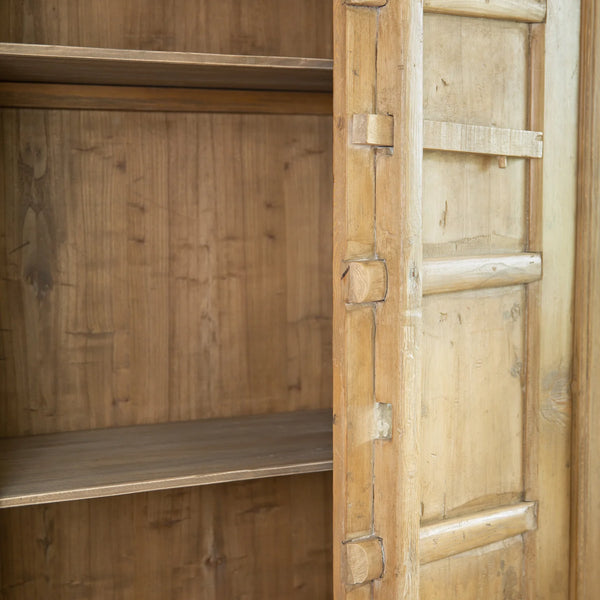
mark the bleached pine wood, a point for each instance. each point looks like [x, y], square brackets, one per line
[476, 272]
[364, 561]
[585, 541]
[453, 536]
[107, 66]
[355, 30]
[110, 462]
[554, 93]
[373, 130]
[457, 137]
[366, 281]
[399, 88]
[531, 11]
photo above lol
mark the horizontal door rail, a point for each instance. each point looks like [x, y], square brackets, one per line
[529, 11]
[457, 137]
[453, 536]
[443, 275]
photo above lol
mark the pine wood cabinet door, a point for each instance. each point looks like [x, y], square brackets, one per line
[455, 136]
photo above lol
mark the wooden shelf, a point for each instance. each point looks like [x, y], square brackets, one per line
[108, 462]
[73, 64]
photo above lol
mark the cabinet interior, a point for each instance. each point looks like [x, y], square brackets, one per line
[165, 234]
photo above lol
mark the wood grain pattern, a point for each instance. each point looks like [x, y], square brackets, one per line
[105, 66]
[104, 97]
[458, 137]
[552, 232]
[268, 538]
[398, 358]
[585, 544]
[494, 572]
[263, 27]
[472, 408]
[532, 11]
[136, 295]
[476, 272]
[125, 460]
[461, 534]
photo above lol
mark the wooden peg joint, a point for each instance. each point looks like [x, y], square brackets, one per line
[364, 561]
[365, 281]
[373, 130]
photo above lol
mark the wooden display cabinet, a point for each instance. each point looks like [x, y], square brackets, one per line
[167, 333]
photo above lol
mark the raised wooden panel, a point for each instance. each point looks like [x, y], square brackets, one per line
[160, 267]
[262, 539]
[475, 71]
[470, 206]
[300, 28]
[494, 572]
[472, 409]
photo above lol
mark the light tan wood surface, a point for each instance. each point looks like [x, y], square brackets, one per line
[364, 561]
[197, 288]
[458, 137]
[103, 97]
[366, 281]
[70, 64]
[585, 529]
[268, 538]
[260, 27]
[475, 272]
[455, 536]
[532, 11]
[109, 462]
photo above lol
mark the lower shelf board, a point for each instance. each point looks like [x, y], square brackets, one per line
[109, 462]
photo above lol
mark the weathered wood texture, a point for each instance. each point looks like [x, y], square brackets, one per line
[264, 27]
[125, 460]
[105, 66]
[162, 267]
[554, 93]
[104, 97]
[532, 11]
[585, 532]
[494, 572]
[461, 534]
[399, 92]
[470, 206]
[268, 538]
[477, 272]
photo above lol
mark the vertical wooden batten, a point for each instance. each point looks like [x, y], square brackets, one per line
[585, 538]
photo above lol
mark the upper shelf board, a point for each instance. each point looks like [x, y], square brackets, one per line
[124, 460]
[74, 64]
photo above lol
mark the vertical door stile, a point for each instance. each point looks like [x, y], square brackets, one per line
[378, 123]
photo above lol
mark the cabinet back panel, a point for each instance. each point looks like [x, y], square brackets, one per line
[267, 538]
[160, 267]
[265, 27]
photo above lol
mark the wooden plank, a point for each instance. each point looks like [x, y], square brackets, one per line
[454, 536]
[355, 34]
[547, 447]
[475, 272]
[457, 137]
[104, 97]
[70, 64]
[532, 11]
[585, 541]
[210, 542]
[115, 461]
[399, 320]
